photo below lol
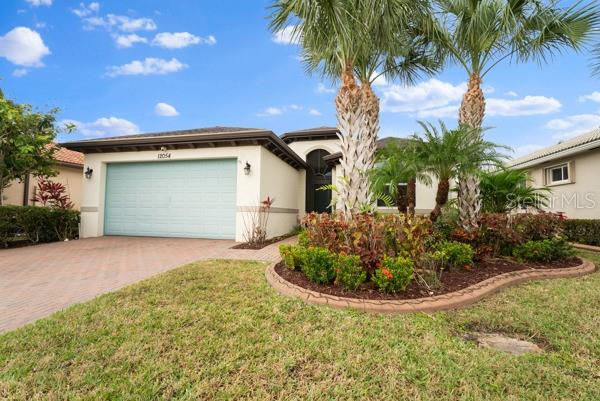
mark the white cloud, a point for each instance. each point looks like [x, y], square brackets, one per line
[121, 23]
[148, 66]
[435, 98]
[594, 97]
[271, 111]
[19, 72]
[439, 112]
[421, 98]
[178, 40]
[22, 46]
[105, 126]
[378, 79]
[165, 110]
[321, 88]
[571, 126]
[295, 107]
[527, 106]
[314, 112]
[85, 10]
[125, 41]
[37, 3]
[511, 93]
[286, 36]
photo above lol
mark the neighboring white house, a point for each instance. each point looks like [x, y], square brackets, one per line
[571, 170]
[203, 183]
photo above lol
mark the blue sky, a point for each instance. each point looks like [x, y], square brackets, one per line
[118, 67]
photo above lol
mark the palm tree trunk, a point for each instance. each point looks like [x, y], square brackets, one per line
[350, 119]
[471, 113]
[368, 141]
[401, 202]
[411, 194]
[441, 198]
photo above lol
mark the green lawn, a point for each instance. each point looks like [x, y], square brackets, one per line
[216, 330]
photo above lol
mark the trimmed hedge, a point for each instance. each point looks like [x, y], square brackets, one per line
[37, 224]
[583, 231]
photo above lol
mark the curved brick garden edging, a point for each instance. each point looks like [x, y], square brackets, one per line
[452, 300]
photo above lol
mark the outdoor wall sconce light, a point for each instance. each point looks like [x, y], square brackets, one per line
[247, 168]
[88, 173]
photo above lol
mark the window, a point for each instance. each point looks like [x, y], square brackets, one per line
[402, 195]
[558, 174]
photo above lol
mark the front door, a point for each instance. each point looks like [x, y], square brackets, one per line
[317, 176]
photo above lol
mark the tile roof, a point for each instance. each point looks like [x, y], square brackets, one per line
[63, 155]
[573, 145]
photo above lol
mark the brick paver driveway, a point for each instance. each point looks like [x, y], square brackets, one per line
[38, 280]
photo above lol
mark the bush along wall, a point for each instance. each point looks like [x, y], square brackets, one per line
[37, 224]
[583, 231]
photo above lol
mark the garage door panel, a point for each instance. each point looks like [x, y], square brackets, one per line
[179, 199]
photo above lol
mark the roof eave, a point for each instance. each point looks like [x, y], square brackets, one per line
[555, 156]
[263, 138]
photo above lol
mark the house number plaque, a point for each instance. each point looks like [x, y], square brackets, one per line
[164, 155]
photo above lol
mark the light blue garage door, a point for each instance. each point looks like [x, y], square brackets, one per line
[195, 198]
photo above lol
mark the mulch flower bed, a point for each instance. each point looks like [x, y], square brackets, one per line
[245, 245]
[451, 281]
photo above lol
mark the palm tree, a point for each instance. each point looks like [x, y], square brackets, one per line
[448, 154]
[506, 190]
[480, 34]
[397, 164]
[350, 40]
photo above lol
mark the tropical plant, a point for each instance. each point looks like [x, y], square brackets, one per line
[447, 154]
[505, 190]
[52, 194]
[349, 272]
[394, 275]
[26, 142]
[396, 164]
[256, 221]
[351, 40]
[480, 34]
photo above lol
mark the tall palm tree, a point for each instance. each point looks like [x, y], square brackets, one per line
[397, 164]
[480, 34]
[448, 154]
[350, 40]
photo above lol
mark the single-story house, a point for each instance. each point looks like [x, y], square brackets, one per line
[571, 170]
[205, 182]
[70, 172]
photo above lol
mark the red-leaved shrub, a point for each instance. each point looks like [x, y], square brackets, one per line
[369, 236]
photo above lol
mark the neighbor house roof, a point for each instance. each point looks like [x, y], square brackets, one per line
[68, 157]
[192, 138]
[579, 144]
[334, 158]
[310, 134]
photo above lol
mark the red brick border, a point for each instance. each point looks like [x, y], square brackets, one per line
[452, 300]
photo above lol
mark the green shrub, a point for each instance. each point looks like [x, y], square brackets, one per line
[543, 251]
[38, 224]
[291, 255]
[583, 231]
[319, 265]
[394, 275]
[349, 272]
[303, 238]
[453, 254]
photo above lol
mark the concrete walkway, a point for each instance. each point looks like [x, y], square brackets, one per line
[38, 280]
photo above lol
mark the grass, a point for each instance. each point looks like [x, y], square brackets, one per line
[216, 330]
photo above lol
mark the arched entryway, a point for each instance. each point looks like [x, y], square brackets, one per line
[319, 174]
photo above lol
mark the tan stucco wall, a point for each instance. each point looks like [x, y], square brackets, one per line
[268, 176]
[281, 182]
[70, 177]
[579, 199]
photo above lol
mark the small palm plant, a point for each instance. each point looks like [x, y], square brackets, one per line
[448, 154]
[505, 190]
